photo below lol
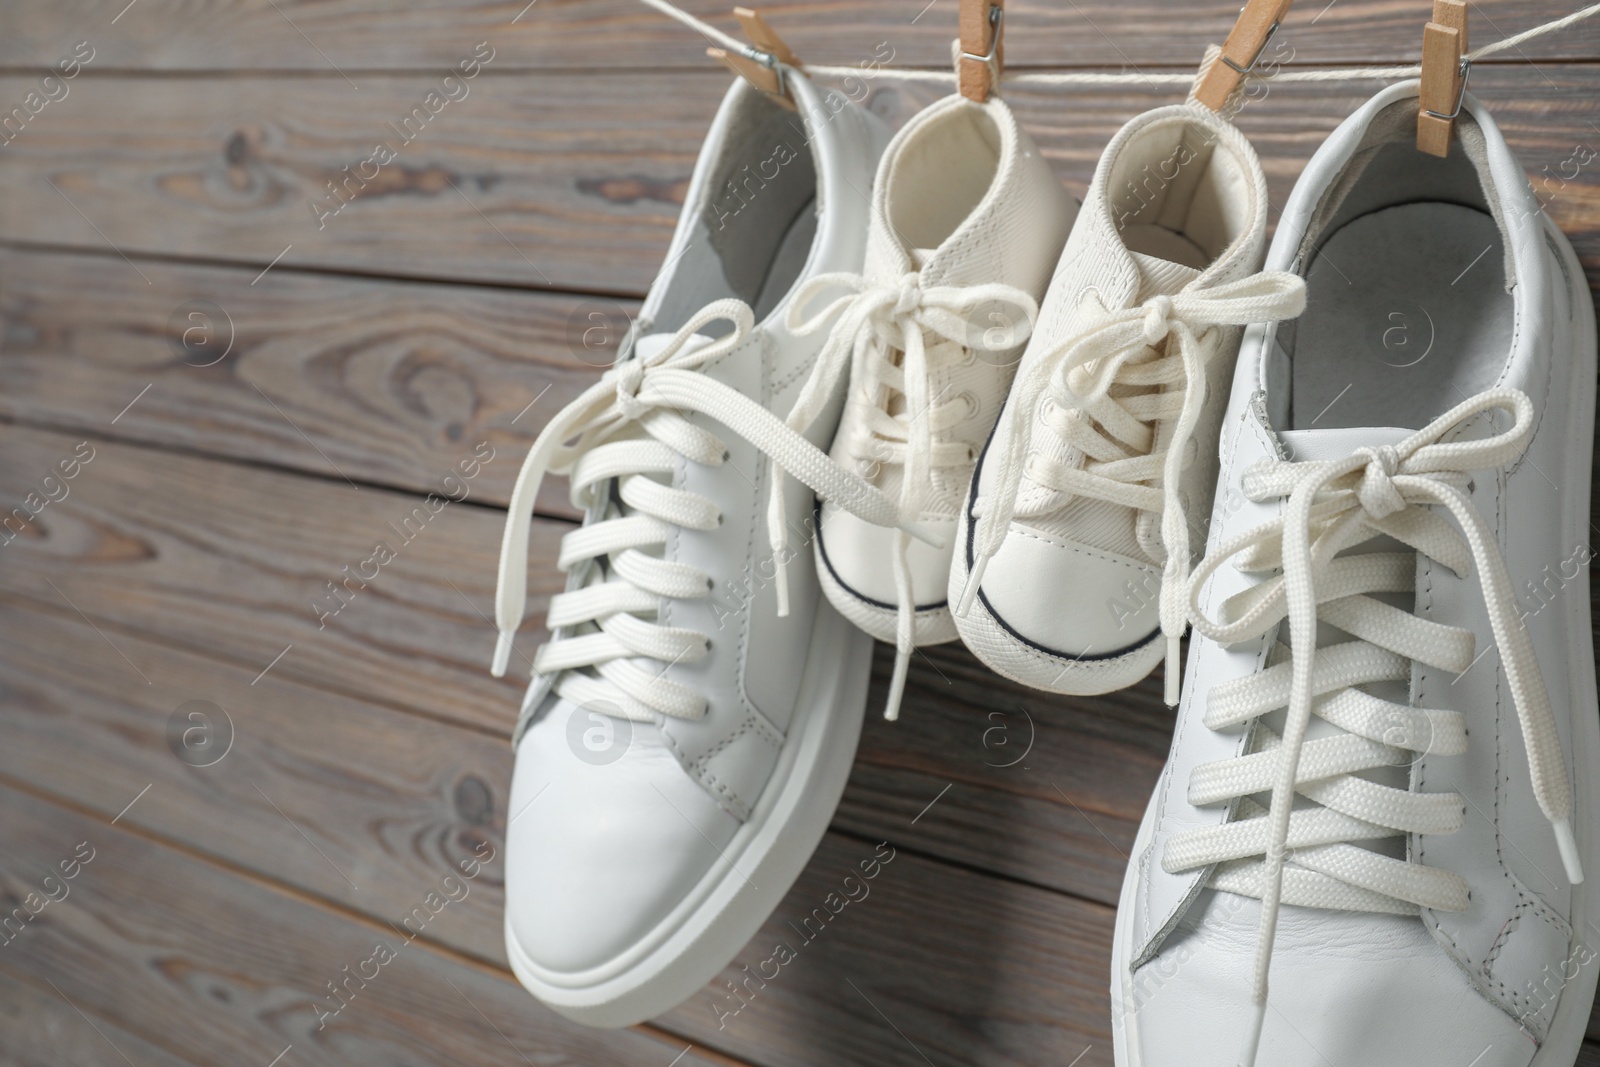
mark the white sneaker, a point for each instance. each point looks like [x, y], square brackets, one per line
[1390, 692]
[683, 744]
[967, 222]
[1081, 509]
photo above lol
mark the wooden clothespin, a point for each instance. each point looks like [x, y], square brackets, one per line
[1444, 76]
[763, 68]
[1258, 21]
[981, 54]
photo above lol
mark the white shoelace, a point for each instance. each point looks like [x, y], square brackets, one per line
[874, 322]
[1113, 393]
[1331, 506]
[627, 427]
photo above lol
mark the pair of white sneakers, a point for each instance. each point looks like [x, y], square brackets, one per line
[1348, 801]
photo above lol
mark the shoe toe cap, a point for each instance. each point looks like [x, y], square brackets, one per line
[861, 556]
[1070, 599]
[608, 835]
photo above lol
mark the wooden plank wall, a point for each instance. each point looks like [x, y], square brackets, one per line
[338, 369]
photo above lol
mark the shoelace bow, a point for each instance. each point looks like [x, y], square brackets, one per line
[1333, 505]
[1117, 434]
[874, 322]
[605, 424]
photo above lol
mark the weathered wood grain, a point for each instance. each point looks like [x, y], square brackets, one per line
[493, 189]
[219, 968]
[1042, 788]
[967, 969]
[353, 802]
[235, 562]
[580, 193]
[41, 1028]
[387, 382]
[353, 35]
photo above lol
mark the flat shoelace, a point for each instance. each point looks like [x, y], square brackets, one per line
[1331, 506]
[626, 427]
[1120, 466]
[874, 322]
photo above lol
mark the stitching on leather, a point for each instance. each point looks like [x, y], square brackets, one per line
[717, 790]
[696, 768]
[1544, 403]
[1023, 531]
[769, 359]
[1502, 937]
[713, 781]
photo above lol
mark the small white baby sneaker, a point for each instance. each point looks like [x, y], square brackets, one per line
[967, 222]
[1101, 468]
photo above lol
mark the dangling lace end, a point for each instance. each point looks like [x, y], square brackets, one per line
[780, 579]
[897, 687]
[1568, 844]
[1174, 668]
[502, 654]
[1252, 1040]
[969, 592]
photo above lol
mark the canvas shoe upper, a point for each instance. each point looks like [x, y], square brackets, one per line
[967, 221]
[684, 742]
[1380, 793]
[1081, 509]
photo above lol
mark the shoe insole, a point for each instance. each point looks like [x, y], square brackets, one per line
[789, 260]
[1406, 316]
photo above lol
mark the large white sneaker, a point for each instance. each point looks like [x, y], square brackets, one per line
[684, 743]
[1081, 509]
[1390, 693]
[967, 221]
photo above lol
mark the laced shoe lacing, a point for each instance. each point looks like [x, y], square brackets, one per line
[1401, 492]
[628, 429]
[890, 340]
[1125, 395]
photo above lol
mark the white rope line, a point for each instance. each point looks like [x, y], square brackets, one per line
[732, 44]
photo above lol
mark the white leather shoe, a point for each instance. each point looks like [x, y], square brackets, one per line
[1081, 509]
[1380, 792]
[684, 742]
[967, 222]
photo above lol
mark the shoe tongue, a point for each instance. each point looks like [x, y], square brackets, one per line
[1160, 277]
[1304, 445]
[920, 256]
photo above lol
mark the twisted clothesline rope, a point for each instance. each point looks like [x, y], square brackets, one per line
[732, 44]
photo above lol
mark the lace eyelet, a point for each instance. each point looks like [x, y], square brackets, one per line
[974, 405]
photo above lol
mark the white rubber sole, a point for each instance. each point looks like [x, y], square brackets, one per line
[1571, 1019]
[719, 917]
